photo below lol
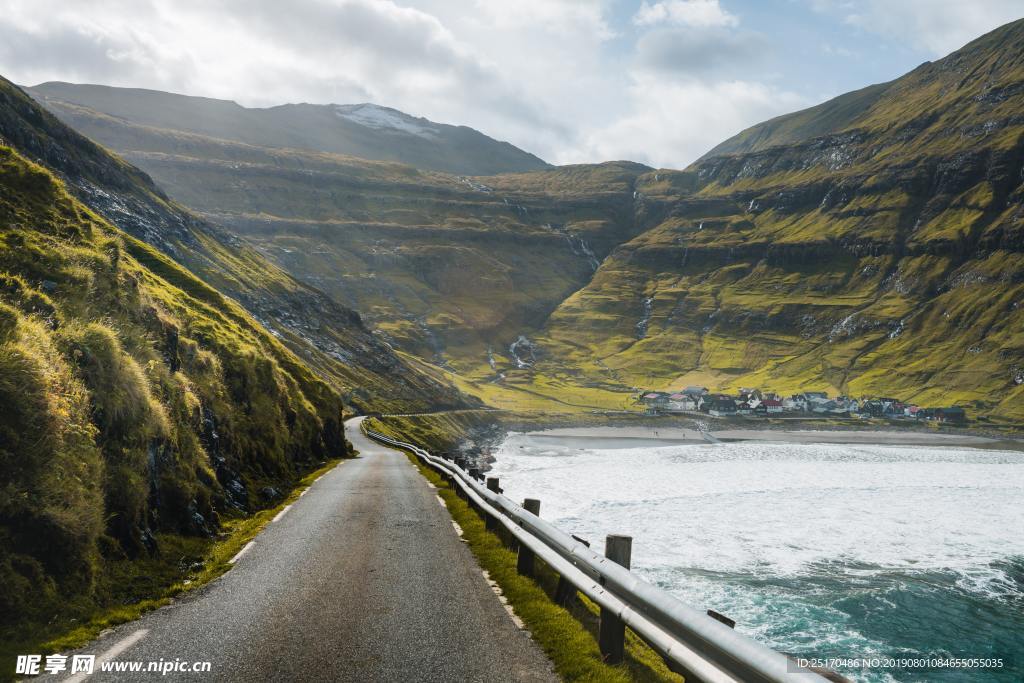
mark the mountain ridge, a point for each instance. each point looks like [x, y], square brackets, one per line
[844, 111]
[315, 127]
[882, 258]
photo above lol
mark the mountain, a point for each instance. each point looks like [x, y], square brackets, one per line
[327, 335]
[443, 266]
[870, 245]
[157, 375]
[825, 118]
[367, 130]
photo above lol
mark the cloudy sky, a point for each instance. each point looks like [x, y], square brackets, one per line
[657, 81]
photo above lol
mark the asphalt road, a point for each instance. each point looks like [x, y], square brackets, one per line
[364, 578]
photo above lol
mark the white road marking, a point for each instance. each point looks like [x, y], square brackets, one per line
[503, 600]
[243, 551]
[458, 529]
[118, 648]
[431, 485]
[441, 501]
[280, 514]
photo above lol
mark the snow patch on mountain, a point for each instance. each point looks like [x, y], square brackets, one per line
[382, 118]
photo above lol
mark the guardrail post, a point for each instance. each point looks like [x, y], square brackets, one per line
[491, 523]
[524, 560]
[718, 616]
[460, 462]
[566, 591]
[612, 635]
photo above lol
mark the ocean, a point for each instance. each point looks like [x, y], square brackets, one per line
[817, 550]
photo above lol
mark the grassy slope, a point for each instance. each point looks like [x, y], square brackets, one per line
[835, 114]
[141, 409]
[446, 267]
[884, 258]
[327, 335]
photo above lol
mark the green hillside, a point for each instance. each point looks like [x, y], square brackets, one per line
[827, 117]
[883, 257]
[140, 409]
[326, 334]
[443, 266]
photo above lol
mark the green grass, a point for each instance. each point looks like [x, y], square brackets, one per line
[567, 637]
[152, 582]
[131, 390]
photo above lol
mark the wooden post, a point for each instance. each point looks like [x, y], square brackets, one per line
[460, 462]
[524, 561]
[491, 523]
[612, 637]
[565, 592]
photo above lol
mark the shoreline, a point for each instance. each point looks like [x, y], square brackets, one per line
[638, 436]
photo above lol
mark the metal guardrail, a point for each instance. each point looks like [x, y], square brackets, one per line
[694, 643]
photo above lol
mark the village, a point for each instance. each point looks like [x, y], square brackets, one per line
[757, 403]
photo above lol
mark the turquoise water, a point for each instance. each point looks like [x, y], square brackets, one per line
[817, 550]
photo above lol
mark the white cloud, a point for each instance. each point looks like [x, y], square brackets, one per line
[696, 13]
[671, 125]
[838, 51]
[562, 17]
[701, 52]
[556, 77]
[936, 26]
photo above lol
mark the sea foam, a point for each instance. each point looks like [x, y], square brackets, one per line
[810, 547]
